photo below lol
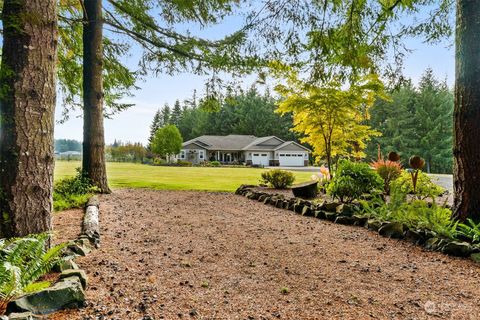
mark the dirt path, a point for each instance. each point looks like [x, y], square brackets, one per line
[193, 255]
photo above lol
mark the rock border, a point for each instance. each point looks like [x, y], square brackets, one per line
[342, 213]
[69, 291]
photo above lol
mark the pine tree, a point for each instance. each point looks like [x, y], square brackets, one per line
[434, 111]
[176, 114]
[165, 115]
[157, 123]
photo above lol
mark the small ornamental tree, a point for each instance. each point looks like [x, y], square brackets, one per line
[167, 142]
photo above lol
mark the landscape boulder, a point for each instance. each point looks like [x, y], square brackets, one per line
[392, 230]
[65, 264]
[65, 294]
[346, 209]
[345, 220]
[307, 211]
[21, 316]
[331, 206]
[373, 224]
[458, 249]
[415, 237]
[475, 257]
[320, 214]
[82, 276]
[331, 216]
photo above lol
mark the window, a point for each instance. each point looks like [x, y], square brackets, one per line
[282, 155]
[264, 154]
[255, 154]
[200, 154]
[182, 154]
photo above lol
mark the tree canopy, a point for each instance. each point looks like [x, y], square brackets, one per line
[417, 120]
[331, 118]
[167, 141]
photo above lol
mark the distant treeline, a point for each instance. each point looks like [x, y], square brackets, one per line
[247, 112]
[64, 145]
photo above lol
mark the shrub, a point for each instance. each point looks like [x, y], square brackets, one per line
[417, 214]
[22, 262]
[182, 163]
[279, 179]
[425, 187]
[159, 162]
[215, 163]
[72, 192]
[388, 170]
[352, 180]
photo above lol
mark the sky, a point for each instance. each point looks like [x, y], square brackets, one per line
[133, 125]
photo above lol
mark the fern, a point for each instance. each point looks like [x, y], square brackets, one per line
[22, 262]
[471, 230]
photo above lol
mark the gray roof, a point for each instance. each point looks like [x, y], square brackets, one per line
[234, 142]
[230, 142]
[260, 144]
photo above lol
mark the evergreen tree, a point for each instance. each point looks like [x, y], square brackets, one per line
[165, 115]
[416, 121]
[157, 123]
[176, 114]
[434, 111]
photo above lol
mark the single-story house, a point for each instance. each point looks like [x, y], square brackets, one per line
[250, 150]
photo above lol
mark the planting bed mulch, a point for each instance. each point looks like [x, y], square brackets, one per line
[198, 255]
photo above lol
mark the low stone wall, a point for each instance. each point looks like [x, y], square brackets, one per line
[346, 214]
[69, 291]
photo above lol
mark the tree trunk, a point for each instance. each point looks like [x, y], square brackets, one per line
[27, 107]
[467, 112]
[93, 136]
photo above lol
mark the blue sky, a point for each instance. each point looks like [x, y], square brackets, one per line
[133, 124]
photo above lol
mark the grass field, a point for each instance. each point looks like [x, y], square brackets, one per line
[123, 175]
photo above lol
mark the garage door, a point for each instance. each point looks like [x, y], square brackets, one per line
[291, 159]
[260, 159]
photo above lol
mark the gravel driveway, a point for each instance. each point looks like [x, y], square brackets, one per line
[198, 255]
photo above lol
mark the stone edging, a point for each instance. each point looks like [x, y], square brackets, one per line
[69, 291]
[345, 214]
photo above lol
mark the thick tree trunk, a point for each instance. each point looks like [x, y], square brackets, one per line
[27, 107]
[467, 112]
[93, 135]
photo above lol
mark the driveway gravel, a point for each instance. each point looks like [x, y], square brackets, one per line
[199, 255]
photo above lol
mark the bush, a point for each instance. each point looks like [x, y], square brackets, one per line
[279, 179]
[72, 192]
[352, 180]
[22, 262]
[159, 162]
[215, 163]
[417, 214]
[182, 163]
[425, 187]
[388, 170]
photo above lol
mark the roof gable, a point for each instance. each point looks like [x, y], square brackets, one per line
[264, 143]
[292, 146]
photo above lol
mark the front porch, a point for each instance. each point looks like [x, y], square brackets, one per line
[226, 157]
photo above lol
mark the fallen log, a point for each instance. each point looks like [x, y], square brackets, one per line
[91, 224]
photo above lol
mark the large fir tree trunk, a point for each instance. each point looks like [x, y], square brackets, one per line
[467, 112]
[27, 105]
[93, 135]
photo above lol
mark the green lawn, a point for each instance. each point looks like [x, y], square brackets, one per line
[131, 175]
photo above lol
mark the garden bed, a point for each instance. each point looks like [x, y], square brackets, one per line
[351, 214]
